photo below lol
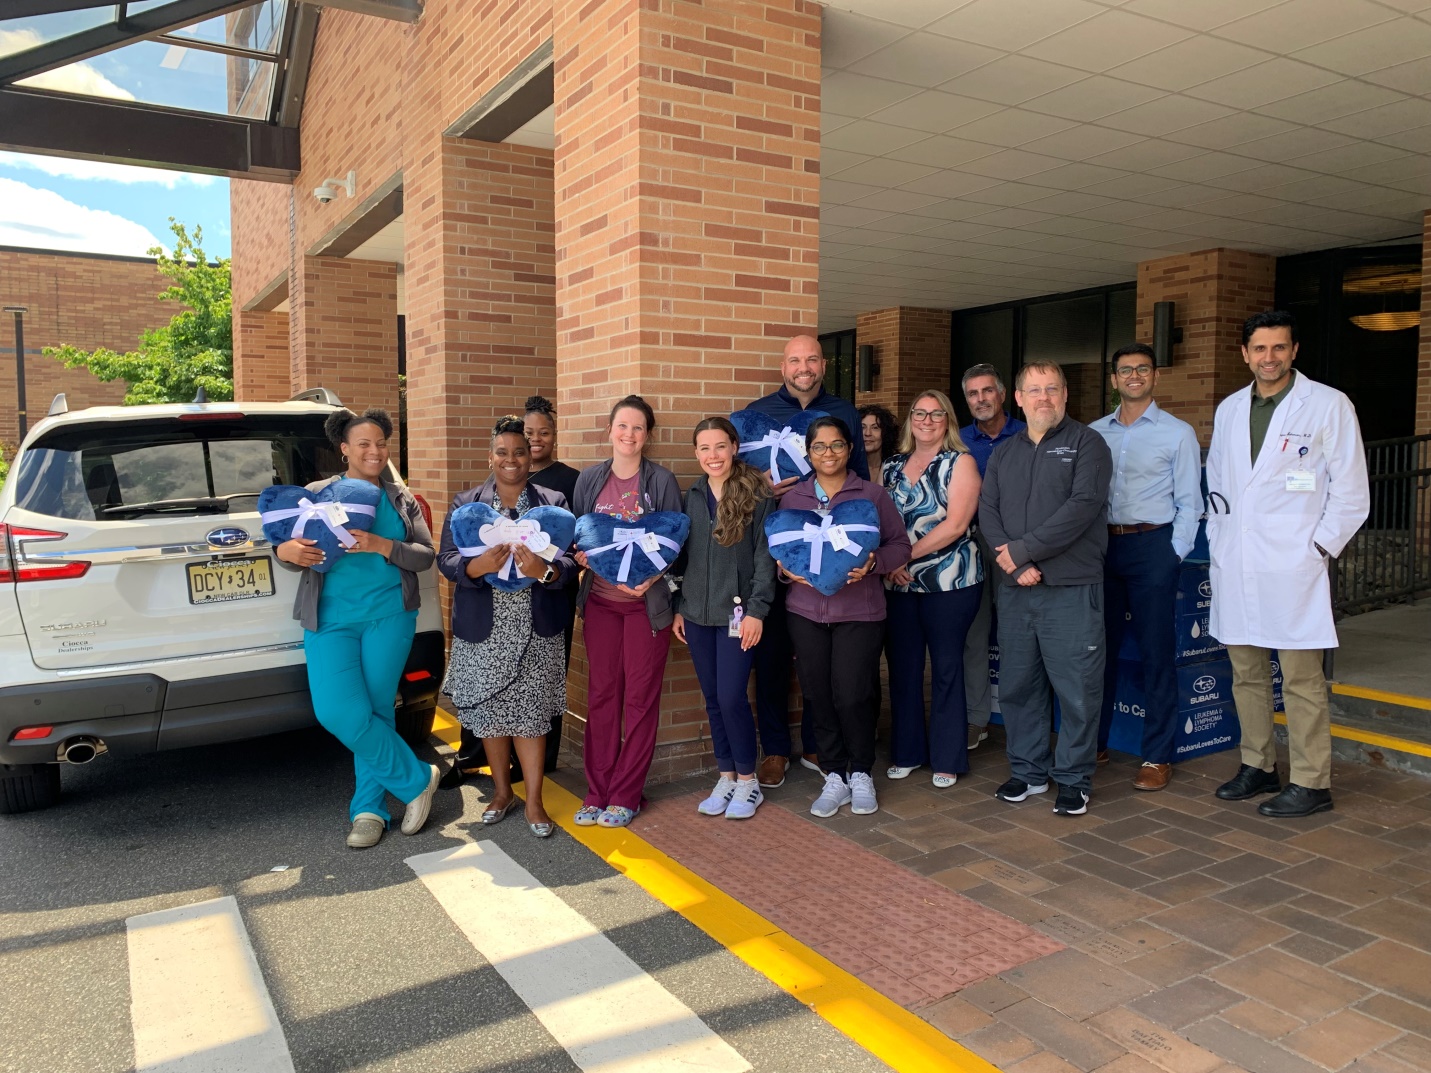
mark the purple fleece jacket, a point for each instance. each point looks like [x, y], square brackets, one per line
[864, 600]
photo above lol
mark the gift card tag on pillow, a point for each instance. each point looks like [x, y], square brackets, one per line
[804, 542]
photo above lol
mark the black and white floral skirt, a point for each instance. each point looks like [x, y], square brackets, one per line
[514, 683]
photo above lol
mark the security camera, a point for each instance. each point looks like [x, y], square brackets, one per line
[329, 190]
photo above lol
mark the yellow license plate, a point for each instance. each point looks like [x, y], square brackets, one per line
[222, 580]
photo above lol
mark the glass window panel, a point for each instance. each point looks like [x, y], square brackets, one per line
[983, 338]
[258, 27]
[1069, 332]
[17, 35]
[1122, 318]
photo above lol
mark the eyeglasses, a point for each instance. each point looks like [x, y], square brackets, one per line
[1126, 371]
[835, 447]
[1040, 392]
[928, 415]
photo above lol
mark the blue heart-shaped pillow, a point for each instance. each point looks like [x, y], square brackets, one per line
[546, 530]
[325, 516]
[628, 553]
[795, 535]
[777, 447]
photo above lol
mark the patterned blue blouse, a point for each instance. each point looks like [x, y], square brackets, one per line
[924, 505]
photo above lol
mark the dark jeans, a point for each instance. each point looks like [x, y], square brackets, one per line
[937, 622]
[1051, 641]
[1140, 587]
[724, 673]
[838, 665]
[774, 658]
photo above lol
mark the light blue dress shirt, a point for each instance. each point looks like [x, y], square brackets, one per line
[1156, 473]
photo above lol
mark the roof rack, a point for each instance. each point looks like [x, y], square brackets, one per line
[318, 394]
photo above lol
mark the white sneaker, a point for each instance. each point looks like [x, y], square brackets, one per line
[897, 772]
[835, 794]
[862, 794]
[719, 800]
[417, 809]
[745, 800]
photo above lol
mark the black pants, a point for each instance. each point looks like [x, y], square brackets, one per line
[838, 665]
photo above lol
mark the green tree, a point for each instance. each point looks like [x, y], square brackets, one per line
[195, 349]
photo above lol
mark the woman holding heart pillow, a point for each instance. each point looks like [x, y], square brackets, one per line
[506, 672]
[837, 639]
[933, 598]
[627, 630]
[358, 623]
[727, 586]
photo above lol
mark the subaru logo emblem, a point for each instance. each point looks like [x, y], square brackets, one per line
[227, 537]
[1276, 668]
[1206, 684]
[1205, 588]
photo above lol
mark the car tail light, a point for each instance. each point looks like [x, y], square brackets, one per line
[32, 733]
[13, 568]
[417, 676]
[426, 510]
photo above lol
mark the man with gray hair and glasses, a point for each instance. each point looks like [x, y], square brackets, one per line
[985, 393]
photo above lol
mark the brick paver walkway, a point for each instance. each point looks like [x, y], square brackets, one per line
[1197, 937]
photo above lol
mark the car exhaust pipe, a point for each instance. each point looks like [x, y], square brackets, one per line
[81, 750]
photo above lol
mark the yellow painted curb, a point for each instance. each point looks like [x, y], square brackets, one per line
[887, 1030]
[1406, 700]
[1371, 737]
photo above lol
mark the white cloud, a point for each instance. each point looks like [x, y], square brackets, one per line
[65, 168]
[81, 78]
[44, 219]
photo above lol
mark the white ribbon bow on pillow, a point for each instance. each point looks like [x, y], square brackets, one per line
[817, 536]
[332, 514]
[787, 440]
[509, 531]
[630, 540]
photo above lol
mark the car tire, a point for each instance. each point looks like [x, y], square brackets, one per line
[414, 725]
[28, 787]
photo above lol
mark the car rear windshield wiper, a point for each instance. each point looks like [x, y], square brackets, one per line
[198, 505]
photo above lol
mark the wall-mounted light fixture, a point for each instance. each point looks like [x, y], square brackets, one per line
[864, 358]
[1165, 336]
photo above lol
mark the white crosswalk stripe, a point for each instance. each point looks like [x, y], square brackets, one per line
[609, 1014]
[198, 1003]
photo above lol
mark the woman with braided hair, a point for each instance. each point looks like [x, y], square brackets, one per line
[539, 423]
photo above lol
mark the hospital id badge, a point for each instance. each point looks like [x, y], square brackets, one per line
[733, 627]
[1301, 480]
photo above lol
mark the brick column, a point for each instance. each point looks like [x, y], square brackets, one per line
[687, 205]
[1423, 365]
[343, 331]
[912, 349]
[481, 315]
[261, 363]
[1215, 291]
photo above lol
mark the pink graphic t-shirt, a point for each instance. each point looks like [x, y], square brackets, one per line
[619, 497]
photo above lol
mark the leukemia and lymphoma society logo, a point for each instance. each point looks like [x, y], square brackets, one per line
[1205, 684]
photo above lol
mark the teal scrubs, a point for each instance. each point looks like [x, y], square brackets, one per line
[355, 659]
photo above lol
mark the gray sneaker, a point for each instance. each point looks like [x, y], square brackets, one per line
[862, 794]
[976, 735]
[835, 794]
[367, 832]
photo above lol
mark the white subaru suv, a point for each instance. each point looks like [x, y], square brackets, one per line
[141, 608]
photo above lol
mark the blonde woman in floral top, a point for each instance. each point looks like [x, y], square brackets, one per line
[933, 598]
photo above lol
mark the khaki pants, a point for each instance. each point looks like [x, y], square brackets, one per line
[1304, 694]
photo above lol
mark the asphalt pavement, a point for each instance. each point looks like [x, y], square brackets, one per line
[364, 965]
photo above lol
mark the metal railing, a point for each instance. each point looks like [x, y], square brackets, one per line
[1389, 559]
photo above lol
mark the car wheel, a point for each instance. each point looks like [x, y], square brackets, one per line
[415, 724]
[27, 787]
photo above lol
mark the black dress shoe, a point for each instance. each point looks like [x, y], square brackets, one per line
[1249, 782]
[1297, 800]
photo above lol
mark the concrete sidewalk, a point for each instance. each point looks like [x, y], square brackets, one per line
[1165, 931]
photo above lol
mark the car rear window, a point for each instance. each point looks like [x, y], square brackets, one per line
[84, 472]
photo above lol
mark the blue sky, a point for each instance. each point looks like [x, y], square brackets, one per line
[55, 203]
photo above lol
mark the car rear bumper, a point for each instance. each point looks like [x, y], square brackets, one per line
[143, 713]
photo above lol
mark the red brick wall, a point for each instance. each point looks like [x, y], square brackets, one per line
[1423, 371]
[261, 362]
[258, 219]
[687, 214]
[89, 302]
[1215, 291]
[911, 351]
[343, 331]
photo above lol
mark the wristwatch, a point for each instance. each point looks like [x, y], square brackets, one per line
[550, 575]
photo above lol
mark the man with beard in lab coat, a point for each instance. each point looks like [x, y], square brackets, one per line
[1287, 489]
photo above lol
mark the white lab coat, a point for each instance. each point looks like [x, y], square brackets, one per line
[1270, 585]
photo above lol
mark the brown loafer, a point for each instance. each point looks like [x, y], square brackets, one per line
[1153, 776]
[771, 772]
